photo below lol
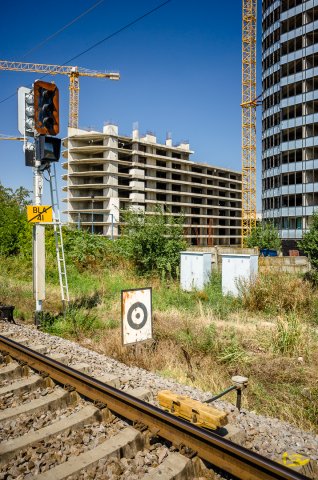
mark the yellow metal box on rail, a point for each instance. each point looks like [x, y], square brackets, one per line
[198, 413]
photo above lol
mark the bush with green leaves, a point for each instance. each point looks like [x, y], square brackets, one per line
[309, 242]
[264, 235]
[153, 241]
[15, 232]
[84, 249]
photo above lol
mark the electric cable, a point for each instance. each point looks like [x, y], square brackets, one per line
[53, 35]
[133, 22]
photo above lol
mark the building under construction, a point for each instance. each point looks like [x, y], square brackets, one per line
[108, 172]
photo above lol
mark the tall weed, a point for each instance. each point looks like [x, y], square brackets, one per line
[287, 337]
[277, 294]
[221, 305]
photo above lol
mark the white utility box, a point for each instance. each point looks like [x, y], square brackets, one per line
[236, 268]
[195, 270]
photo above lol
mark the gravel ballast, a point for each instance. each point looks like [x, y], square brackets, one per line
[268, 436]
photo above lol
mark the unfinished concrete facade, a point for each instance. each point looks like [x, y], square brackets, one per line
[108, 172]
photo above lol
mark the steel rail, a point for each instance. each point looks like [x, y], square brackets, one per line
[218, 451]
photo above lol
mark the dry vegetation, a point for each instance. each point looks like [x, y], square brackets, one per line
[200, 338]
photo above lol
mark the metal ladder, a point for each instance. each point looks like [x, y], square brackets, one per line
[59, 247]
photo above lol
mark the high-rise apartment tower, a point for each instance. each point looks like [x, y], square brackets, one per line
[290, 115]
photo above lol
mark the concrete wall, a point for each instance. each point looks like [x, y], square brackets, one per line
[265, 264]
[284, 264]
[218, 251]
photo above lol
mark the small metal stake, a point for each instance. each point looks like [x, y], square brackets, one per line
[239, 384]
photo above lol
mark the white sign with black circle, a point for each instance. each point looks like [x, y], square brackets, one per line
[136, 313]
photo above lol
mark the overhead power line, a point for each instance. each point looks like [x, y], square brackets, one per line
[133, 22]
[69, 24]
[125, 27]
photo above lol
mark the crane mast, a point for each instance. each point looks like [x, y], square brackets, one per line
[249, 104]
[72, 72]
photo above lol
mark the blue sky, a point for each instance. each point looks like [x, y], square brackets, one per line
[180, 72]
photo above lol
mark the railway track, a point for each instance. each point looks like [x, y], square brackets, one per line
[104, 429]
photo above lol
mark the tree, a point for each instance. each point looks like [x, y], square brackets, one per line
[309, 242]
[153, 241]
[264, 235]
[14, 228]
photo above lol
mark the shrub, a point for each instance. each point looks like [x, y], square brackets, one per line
[309, 242]
[277, 294]
[85, 249]
[153, 241]
[15, 232]
[73, 323]
[264, 235]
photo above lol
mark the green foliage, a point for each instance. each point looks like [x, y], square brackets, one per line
[278, 294]
[287, 336]
[153, 241]
[264, 235]
[221, 305]
[231, 351]
[15, 232]
[167, 297]
[309, 242]
[83, 248]
[207, 342]
[74, 323]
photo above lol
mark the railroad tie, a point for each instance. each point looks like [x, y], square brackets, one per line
[109, 379]
[174, 467]
[10, 448]
[12, 371]
[125, 443]
[300, 464]
[27, 384]
[39, 405]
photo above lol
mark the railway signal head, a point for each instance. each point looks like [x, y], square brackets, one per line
[26, 111]
[47, 149]
[46, 108]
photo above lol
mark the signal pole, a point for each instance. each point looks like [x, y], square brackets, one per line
[38, 243]
[38, 117]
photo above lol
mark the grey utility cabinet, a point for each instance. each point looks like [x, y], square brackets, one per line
[195, 270]
[237, 268]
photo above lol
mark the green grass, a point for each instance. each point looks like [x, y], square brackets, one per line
[195, 333]
[74, 323]
[169, 296]
[287, 339]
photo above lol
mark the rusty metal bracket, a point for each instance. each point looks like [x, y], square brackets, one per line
[69, 388]
[7, 359]
[22, 363]
[186, 451]
[140, 426]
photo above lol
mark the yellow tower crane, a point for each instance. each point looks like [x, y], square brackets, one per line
[21, 139]
[249, 104]
[73, 72]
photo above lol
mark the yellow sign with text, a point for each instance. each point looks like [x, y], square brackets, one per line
[39, 213]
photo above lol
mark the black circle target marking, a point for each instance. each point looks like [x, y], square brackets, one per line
[131, 323]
